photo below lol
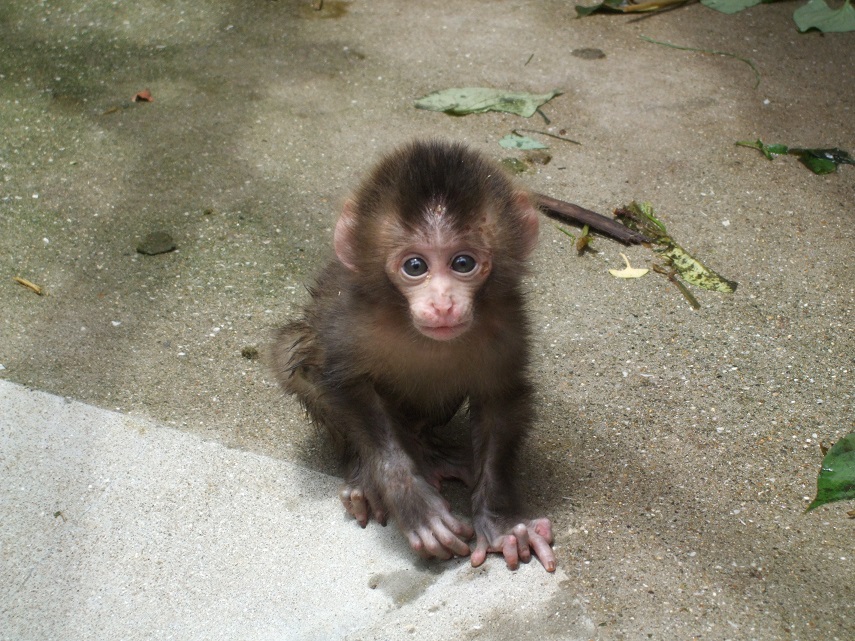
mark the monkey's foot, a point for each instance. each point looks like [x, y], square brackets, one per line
[362, 504]
[440, 463]
[525, 538]
[448, 470]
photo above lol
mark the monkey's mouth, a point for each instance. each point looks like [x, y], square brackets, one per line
[444, 332]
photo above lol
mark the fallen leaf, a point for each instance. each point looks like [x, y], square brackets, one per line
[836, 479]
[640, 217]
[460, 101]
[816, 14]
[819, 161]
[629, 271]
[730, 6]
[513, 141]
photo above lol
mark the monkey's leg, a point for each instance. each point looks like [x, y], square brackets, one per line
[362, 500]
[297, 358]
[498, 428]
[442, 461]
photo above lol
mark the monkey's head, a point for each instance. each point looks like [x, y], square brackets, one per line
[437, 221]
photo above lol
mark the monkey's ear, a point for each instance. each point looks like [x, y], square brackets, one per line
[530, 221]
[344, 238]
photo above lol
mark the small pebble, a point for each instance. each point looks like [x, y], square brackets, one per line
[588, 53]
[158, 242]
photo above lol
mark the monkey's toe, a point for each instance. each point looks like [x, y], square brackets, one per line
[362, 506]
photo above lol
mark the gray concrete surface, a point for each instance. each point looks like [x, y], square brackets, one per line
[674, 449]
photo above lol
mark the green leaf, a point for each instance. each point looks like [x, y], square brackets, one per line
[515, 165]
[818, 165]
[606, 5]
[639, 217]
[730, 6]
[771, 151]
[836, 479]
[460, 101]
[513, 141]
[819, 161]
[818, 15]
[823, 161]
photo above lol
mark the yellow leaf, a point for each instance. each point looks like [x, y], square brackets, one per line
[629, 271]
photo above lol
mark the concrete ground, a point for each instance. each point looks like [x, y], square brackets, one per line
[156, 485]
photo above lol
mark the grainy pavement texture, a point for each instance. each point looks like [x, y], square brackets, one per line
[155, 484]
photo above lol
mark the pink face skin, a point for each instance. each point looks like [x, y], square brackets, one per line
[438, 269]
[439, 281]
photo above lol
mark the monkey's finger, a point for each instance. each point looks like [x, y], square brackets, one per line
[376, 507]
[510, 551]
[417, 545]
[450, 539]
[543, 527]
[523, 544]
[355, 503]
[544, 552]
[380, 516]
[479, 554]
[462, 529]
[433, 546]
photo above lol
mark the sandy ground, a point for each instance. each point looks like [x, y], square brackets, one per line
[674, 449]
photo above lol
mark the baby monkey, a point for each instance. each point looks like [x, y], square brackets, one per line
[421, 313]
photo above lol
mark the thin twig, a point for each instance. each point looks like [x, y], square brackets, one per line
[545, 133]
[712, 51]
[653, 5]
[672, 276]
[23, 281]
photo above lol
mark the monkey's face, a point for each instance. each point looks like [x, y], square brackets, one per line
[439, 281]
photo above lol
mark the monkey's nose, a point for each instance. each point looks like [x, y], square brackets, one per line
[443, 306]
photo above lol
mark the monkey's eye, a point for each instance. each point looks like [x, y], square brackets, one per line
[415, 266]
[463, 264]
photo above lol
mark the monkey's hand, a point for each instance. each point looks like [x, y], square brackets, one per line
[430, 527]
[419, 510]
[525, 538]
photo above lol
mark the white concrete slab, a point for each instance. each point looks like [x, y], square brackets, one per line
[112, 527]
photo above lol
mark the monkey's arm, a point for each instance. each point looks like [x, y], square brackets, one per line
[385, 478]
[498, 426]
[382, 477]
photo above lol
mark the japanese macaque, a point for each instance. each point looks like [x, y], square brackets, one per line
[421, 314]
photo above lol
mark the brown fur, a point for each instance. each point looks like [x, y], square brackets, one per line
[364, 372]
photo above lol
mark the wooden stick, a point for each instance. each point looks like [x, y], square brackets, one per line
[575, 215]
